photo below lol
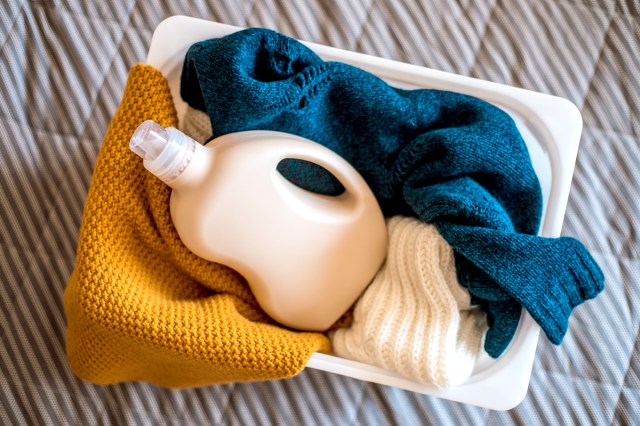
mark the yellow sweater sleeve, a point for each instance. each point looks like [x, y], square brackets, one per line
[139, 305]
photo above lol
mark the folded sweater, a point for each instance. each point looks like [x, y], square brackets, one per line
[446, 158]
[414, 318]
[139, 305]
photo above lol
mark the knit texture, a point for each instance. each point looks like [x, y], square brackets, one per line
[139, 305]
[414, 318]
[195, 123]
[448, 159]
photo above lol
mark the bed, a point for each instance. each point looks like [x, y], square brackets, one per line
[63, 68]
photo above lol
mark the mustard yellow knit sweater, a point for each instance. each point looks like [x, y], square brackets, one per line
[139, 305]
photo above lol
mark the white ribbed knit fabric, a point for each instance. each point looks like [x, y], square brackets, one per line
[414, 318]
[196, 124]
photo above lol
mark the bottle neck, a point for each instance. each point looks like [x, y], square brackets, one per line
[196, 169]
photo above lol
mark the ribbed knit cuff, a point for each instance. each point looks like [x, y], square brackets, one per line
[578, 278]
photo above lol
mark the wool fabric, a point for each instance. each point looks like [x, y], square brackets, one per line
[139, 305]
[414, 318]
[446, 158]
[195, 123]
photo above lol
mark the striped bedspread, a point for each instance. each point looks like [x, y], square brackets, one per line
[63, 65]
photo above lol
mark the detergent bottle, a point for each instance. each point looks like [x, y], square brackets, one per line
[306, 256]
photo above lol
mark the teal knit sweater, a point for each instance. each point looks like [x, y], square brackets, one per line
[445, 158]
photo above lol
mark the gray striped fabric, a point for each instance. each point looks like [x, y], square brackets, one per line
[63, 65]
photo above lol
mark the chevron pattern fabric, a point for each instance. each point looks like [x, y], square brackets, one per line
[63, 66]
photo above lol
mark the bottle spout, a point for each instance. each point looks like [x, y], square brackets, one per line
[166, 151]
[149, 140]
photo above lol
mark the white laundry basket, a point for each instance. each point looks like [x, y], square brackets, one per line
[549, 125]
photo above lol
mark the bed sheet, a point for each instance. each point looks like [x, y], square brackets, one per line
[63, 65]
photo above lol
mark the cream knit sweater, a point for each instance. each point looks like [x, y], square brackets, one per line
[414, 318]
[196, 124]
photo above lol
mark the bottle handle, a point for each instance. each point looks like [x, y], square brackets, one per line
[356, 188]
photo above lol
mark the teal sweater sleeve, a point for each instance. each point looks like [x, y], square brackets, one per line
[449, 159]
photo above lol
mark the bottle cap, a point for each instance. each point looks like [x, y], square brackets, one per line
[166, 151]
[149, 140]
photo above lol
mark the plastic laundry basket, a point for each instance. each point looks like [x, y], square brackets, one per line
[549, 125]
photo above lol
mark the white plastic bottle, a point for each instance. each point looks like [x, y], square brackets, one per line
[306, 256]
